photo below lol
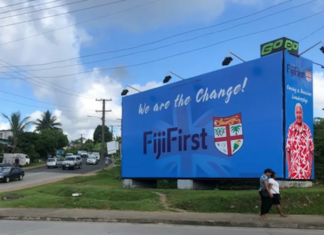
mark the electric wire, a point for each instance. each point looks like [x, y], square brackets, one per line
[82, 22]
[172, 36]
[190, 51]
[64, 13]
[160, 47]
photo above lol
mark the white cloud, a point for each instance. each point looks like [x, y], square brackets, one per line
[147, 86]
[67, 43]
[161, 13]
[4, 124]
[318, 90]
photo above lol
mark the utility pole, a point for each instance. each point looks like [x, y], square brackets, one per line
[112, 132]
[81, 140]
[103, 111]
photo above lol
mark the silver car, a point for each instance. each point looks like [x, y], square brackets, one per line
[74, 162]
[92, 160]
[53, 163]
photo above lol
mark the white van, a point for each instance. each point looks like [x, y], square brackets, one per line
[9, 158]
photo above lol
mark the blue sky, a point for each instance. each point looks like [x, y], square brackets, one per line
[131, 28]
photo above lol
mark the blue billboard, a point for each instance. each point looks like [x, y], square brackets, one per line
[299, 118]
[223, 124]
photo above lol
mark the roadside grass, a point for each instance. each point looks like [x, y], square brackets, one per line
[101, 191]
[104, 191]
[32, 164]
[308, 201]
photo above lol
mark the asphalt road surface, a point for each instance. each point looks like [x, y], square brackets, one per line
[82, 228]
[43, 175]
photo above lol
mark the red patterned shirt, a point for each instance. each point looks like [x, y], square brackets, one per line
[300, 145]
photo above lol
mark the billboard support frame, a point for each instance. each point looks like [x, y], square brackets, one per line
[284, 112]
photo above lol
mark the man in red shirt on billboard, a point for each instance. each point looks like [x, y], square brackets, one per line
[299, 147]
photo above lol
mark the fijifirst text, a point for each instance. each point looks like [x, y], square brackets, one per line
[164, 141]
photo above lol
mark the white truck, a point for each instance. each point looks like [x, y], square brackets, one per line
[9, 158]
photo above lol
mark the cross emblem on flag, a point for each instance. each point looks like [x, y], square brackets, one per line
[228, 134]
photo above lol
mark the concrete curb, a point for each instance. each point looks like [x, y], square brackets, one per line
[33, 167]
[255, 224]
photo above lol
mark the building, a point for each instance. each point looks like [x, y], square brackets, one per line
[4, 134]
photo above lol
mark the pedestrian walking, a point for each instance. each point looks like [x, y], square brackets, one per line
[275, 190]
[265, 194]
[107, 161]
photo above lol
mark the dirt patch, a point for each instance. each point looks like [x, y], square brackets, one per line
[163, 201]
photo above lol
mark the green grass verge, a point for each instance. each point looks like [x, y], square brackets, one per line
[104, 191]
[308, 201]
[34, 164]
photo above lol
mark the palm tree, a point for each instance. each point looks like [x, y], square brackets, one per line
[236, 129]
[17, 126]
[48, 121]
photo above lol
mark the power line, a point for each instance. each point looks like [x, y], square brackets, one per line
[82, 22]
[65, 110]
[48, 88]
[312, 33]
[77, 94]
[187, 52]
[25, 13]
[18, 9]
[6, 92]
[64, 13]
[175, 35]
[17, 4]
[168, 45]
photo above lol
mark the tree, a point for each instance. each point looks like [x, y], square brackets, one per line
[48, 121]
[236, 129]
[28, 144]
[97, 134]
[319, 148]
[89, 141]
[50, 141]
[17, 126]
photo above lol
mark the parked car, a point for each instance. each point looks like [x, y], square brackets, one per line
[9, 173]
[92, 160]
[74, 162]
[54, 163]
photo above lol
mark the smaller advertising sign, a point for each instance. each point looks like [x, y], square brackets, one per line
[299, 118]
[280, 44]
[112, 147]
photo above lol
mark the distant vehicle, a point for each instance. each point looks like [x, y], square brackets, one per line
[9, 173]
[96, 154]
[92, 160]
[80, 152]
[10, 158]
[74, 162]
[68, 154]
[84, 155]
[53, 162]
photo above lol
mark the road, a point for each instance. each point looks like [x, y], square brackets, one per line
[82, 228]
[43, 175]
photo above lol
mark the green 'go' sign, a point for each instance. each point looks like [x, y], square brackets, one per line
[280, 45]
